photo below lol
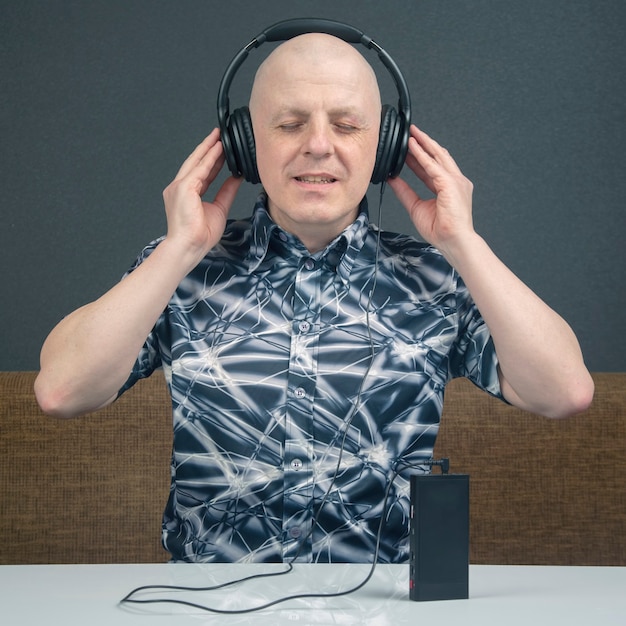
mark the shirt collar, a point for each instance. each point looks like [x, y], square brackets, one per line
[339, 255]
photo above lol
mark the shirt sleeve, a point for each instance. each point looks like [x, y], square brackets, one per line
[149, 357]
[474, 354]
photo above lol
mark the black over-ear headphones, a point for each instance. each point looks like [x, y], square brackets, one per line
[236, 128]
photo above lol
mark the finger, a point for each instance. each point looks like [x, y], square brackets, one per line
[404, 192]
[211, 174]
[414, 157]
[205, 170]
[436, 152]
[199, 153]
[226, 195]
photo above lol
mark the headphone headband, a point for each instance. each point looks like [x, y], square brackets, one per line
[292, 28]
[288, 29]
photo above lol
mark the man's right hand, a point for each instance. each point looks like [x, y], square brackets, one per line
[194, 224]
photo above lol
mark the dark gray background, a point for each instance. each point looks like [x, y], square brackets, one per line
[101, 101]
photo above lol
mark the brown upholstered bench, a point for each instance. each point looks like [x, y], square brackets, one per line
[92, 490]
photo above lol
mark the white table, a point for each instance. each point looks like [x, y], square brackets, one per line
[88, 595]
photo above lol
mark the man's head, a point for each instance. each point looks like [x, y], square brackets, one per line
[315, 109]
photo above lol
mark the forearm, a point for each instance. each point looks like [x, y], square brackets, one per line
[89, 355]
[542, 368]
[541, 365]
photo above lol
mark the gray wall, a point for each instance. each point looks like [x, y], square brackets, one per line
[101, 101]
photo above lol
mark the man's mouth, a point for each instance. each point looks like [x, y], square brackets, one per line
[316, 180]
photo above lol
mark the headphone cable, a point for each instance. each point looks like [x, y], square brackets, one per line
[129, 598]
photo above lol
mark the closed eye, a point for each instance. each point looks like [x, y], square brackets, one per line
[291, 127]
[346, 128]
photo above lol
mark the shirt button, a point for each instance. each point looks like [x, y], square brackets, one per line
[304, 327]
[282, 236]
[309, 264]
[295, 532]
[300, 392]
[296, 464]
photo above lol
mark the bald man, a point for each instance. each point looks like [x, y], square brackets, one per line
[306, 352]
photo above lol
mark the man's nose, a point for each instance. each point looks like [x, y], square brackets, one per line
[318, 138]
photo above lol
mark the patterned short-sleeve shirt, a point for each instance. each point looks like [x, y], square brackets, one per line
[301, 384]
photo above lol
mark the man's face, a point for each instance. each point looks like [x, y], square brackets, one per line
[316, 118]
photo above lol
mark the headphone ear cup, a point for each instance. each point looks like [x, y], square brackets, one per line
[389, 150]
[226, 138]
[242, 144]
